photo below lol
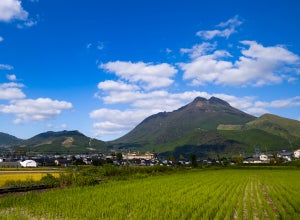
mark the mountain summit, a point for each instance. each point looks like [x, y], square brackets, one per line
[200, 114]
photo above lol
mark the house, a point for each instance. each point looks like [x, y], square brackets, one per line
[131, 156]
[263, 158]
[297, 153]
[285, 155]
[63, 162]
[258, 158]
[28, 163]
[87, 160]
[252, 160]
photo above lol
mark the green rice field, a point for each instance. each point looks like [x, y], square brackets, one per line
[195, 194]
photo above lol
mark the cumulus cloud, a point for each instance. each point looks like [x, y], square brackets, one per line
[1, 39]
[257, 66]
[147, 75]
[11, 91]
[12, 10]
[226, 29]
[114, 121]
[35, 109]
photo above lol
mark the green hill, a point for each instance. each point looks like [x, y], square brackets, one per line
[284, 127]
[62, 142]
[7, 139]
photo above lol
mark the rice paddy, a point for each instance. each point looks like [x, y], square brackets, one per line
[196, 194]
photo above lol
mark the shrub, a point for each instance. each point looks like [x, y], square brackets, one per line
[49, 180]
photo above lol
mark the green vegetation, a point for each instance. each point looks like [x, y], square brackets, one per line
[276, 125]
[7, 139]
[195, 194]
[86, 175]
[62, 142]
[165, 128]
[257, 138]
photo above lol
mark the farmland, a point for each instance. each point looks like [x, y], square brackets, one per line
[195, 194]
[23, 175]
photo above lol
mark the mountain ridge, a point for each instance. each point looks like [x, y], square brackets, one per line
[206, 127]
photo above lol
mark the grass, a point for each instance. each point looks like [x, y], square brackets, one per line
[195, 194]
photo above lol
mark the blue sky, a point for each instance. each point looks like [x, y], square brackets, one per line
[101, 67]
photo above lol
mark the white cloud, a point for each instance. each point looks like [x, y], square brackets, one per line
[283, 103]
[35, 109]
[147, 75]
[168, 51]
[207, 68]
[28, 23]
[257, 66]
[257, 111]
[11, 91]
[5, 67]
[1, 39]
[208, 35]
[116, 122]
[12, 10]
[110, 85]
[11, 77]
[229, 28]
[199, 49]
[232, 22]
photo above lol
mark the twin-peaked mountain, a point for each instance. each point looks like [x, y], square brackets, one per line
[201, 114]
[209, 128]
[205, 127]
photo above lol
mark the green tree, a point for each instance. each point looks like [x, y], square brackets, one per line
[237, 159]
[119, 157]
[194, 160]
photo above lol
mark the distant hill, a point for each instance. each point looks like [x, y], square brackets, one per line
[7, 139]
[284, 127]
[62, 142]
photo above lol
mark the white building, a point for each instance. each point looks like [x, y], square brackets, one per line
[297, 153]
[263, 158]
[131, 156]
[28, 163]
